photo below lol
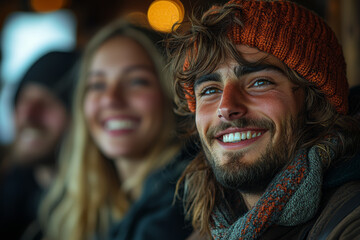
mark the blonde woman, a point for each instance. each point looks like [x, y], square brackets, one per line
[121, 161]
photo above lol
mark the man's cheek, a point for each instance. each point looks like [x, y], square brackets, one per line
[57, 122]
[201, 122]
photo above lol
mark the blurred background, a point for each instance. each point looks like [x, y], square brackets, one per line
[30, 28]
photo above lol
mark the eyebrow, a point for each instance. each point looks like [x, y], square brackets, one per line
[126, 71]
[242, 70]
[239, 71]
[205, 78]
[139, 67]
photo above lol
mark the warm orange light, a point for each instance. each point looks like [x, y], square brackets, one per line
[162, 14]
[138, 18]
[47, 5]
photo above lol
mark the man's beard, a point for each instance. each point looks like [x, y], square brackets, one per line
[252, 177]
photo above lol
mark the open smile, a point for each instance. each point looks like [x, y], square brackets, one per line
[239, 137]
[118, 126]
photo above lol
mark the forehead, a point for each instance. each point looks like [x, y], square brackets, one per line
[120, 49]
[248, 60]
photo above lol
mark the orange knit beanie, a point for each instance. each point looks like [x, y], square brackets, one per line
[296, 36]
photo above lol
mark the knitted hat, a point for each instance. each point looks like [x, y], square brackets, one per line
[56, 72]
[299, 38]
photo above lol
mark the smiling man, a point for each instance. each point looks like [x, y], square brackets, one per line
[265, 89]
[41, 108]
[256, 107]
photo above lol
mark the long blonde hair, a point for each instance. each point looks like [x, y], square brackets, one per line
[87, 192]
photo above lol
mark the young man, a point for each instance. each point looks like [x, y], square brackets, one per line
[42, 114]
[265, 86]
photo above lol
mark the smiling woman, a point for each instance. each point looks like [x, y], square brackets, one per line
[123, 100]
[122, 159]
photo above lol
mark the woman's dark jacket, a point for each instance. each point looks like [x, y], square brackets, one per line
[155, 216]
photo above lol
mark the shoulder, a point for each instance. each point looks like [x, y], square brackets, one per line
[171, 172]
[340, 217]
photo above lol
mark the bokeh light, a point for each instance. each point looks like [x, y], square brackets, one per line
[47, 5]
[25, 37]
[163, 14]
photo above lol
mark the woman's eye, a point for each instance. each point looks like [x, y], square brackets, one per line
[96, 86]
[139, 82]
[262, 83]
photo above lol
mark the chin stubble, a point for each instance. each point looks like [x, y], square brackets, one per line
[251, 177]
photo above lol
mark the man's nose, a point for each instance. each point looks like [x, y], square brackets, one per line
[31, 111]
[233, 103]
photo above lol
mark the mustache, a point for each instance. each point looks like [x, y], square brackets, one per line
[241, 123]
[26, 125]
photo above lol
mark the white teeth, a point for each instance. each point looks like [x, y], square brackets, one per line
[243, 136]
[231, 137]
[119, 124]
[30, 134]
[239, 136]
[248, 135]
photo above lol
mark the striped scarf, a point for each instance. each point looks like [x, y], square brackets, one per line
[291, 198]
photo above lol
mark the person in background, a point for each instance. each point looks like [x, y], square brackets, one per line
[120, 163]
[265, 85]
[42, 115]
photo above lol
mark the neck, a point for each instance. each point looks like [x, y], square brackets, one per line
[251, 199]
[126, 168]
[128, 171]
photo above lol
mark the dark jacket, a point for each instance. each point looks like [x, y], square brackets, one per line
[19, 199]
[339, 214]
[154, 216]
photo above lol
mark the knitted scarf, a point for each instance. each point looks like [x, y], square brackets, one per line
[291, 198]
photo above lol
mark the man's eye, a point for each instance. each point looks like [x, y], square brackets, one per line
[210, 91]
[262, 83]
